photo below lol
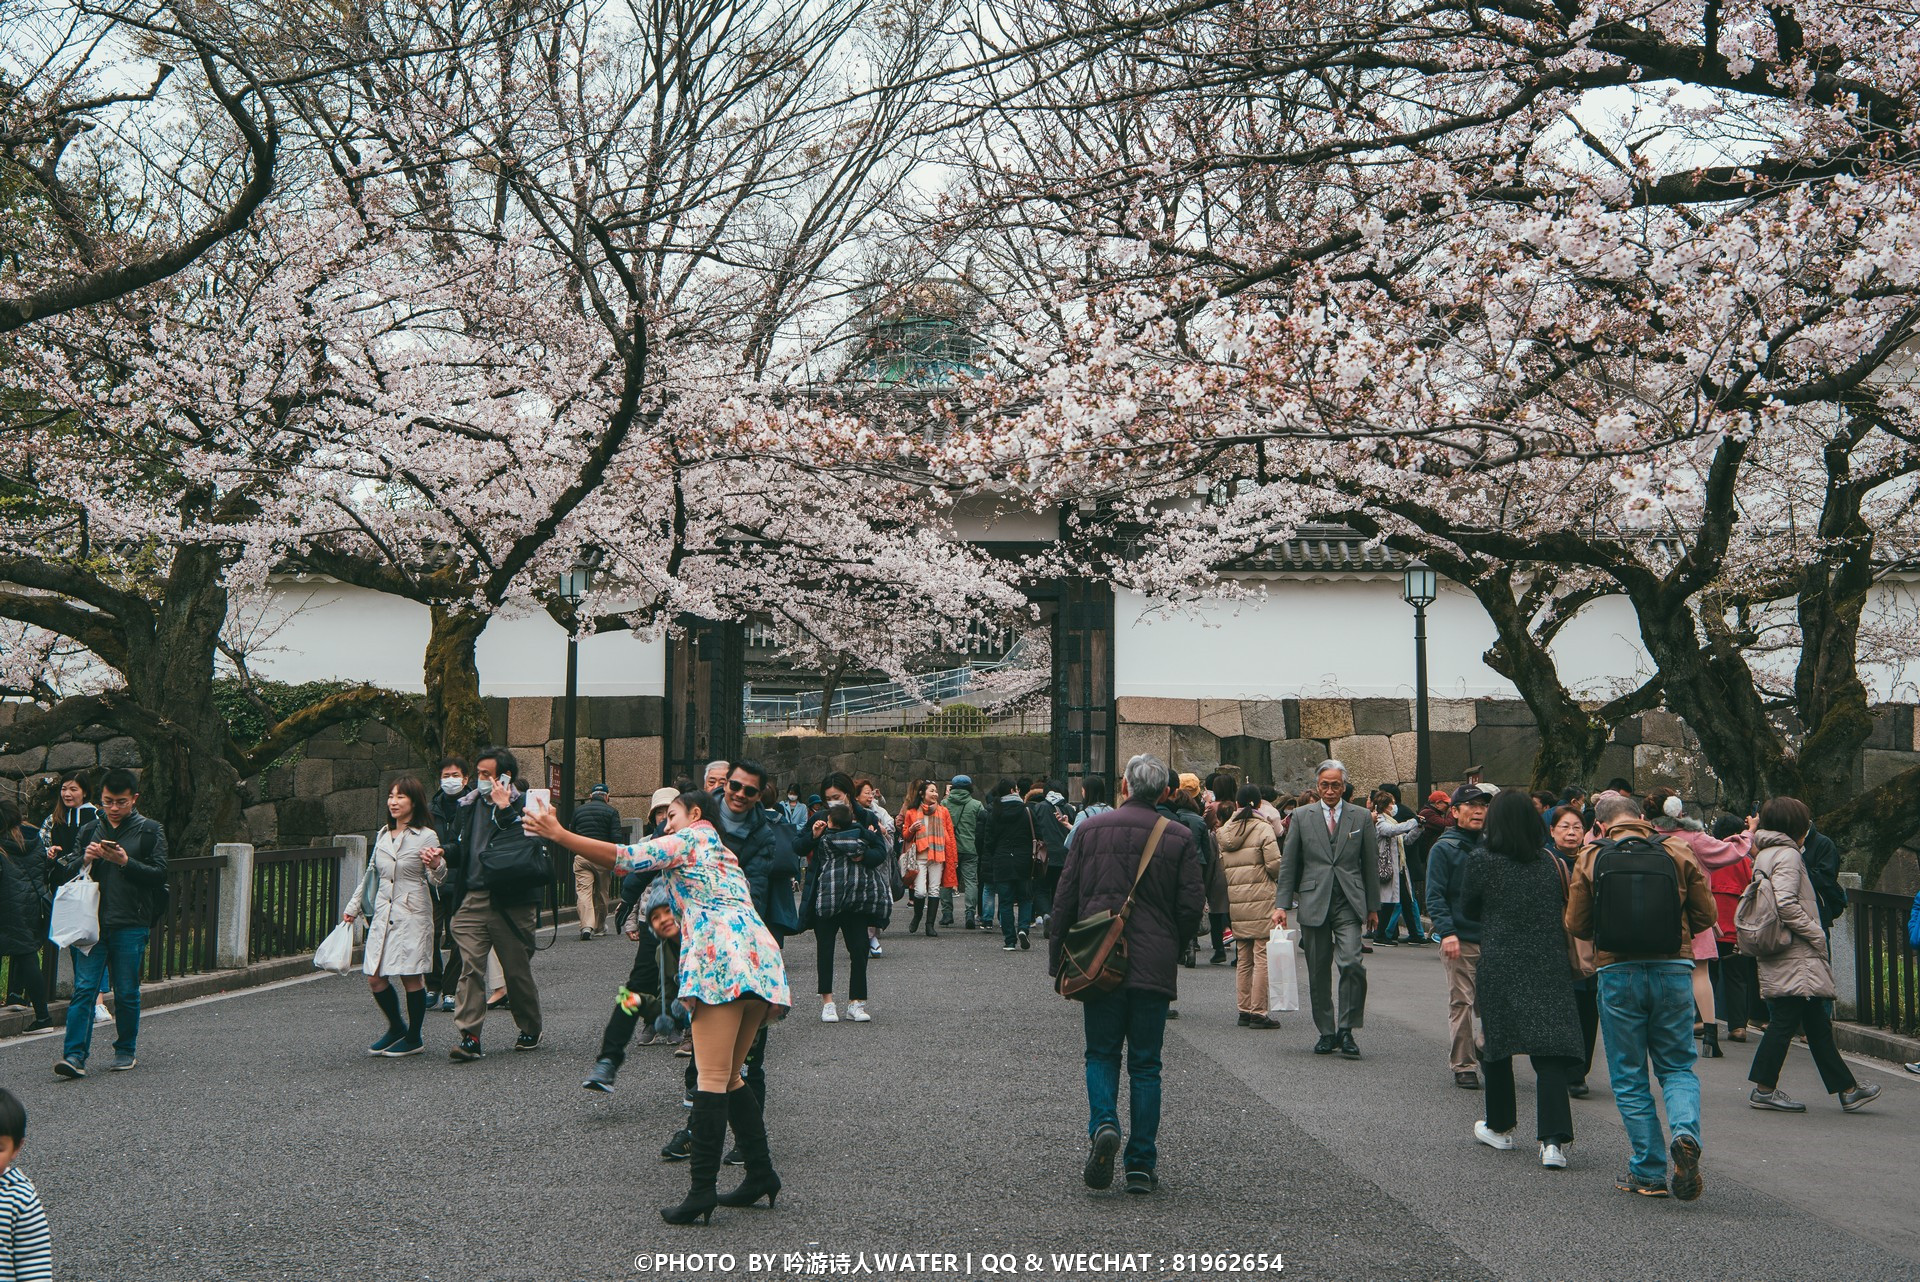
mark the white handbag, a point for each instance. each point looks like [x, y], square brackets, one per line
[1283, 976]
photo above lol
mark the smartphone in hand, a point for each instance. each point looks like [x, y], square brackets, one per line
[539, 799]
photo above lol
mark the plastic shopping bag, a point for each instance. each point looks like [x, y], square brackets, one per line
[1283, 977]
[75, 921]
[336, 950]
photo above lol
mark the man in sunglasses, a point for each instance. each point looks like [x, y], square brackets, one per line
[764, 848]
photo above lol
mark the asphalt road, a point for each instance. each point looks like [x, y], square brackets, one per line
[256, 1141]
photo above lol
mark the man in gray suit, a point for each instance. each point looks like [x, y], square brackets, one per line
[1327, 864]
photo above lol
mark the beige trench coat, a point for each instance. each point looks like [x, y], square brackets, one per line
[400, 922]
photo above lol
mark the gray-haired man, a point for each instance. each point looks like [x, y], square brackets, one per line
[1327, 865]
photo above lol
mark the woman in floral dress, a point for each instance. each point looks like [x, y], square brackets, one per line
[731, 974]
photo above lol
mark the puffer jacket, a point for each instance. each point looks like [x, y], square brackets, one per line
[1803, 968]
[1250, 859]
[23, 893]
[1005, 840]
[1099, 876]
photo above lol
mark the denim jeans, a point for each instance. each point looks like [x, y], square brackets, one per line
[1016, 907]
[119, 955]
[1139, 1019]
[1646, 1012]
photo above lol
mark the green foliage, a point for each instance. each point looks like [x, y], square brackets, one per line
[955, 719]
[249, 723]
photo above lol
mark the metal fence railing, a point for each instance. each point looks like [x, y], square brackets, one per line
[1886, 971]
[185, 941]
[296, 900]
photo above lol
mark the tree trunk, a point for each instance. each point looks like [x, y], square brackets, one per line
[831, 678]
[456, 719]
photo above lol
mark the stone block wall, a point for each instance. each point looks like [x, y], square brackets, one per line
[894, 761]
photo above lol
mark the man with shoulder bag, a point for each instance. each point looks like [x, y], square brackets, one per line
[1135, 866]
[497, 870]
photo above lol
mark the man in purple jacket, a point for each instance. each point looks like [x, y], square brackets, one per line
[1102, 864]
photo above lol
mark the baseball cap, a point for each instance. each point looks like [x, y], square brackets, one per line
[1469, 792]
[1438, 797]
[963, 781]
[600, 790]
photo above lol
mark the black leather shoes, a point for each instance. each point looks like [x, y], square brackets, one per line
[1349, 1049]
[1326, 1045]
[1467, 1080]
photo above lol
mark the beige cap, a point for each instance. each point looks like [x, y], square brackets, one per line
[661, 796]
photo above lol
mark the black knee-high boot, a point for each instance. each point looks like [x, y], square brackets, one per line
[389, 1003]
[931, 932]
[709, 1127]
[918, 906]
[747, 1114]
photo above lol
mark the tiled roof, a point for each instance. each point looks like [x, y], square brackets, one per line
[1323, 549]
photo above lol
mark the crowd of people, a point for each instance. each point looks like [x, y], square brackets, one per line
[1563, 922]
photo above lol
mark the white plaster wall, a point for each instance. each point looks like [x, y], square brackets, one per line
[1330, 637]
[316, 630]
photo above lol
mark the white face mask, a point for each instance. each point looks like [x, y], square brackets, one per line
[453, 785]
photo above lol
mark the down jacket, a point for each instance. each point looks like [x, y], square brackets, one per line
[1250, 859]
[1803, 968]
[1098, 876]
[400, 920]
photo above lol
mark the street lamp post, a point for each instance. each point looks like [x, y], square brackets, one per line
[1420, 588]
[575, 580]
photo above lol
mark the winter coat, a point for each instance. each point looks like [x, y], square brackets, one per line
[1803, 968]
[968, 812]
[1392, 834]
[1446, 877]
[1822, 858]
[475, 826]
[1005, 839]
[599, 820]
[1524, 989]
[1052, 819]
[130, 895]
[63, 825]
[840, 863]
[929, 835]
[400, 919]
[1250, 862]
[1729, 882]
[1098, 876]
[23, 893]
[765, 853]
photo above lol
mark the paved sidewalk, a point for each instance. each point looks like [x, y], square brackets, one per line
[256, 1141]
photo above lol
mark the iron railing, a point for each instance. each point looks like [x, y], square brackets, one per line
[296, 900]
[1886, 970]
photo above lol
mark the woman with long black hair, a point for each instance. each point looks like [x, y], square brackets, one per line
[731, 974]
[1524, 988]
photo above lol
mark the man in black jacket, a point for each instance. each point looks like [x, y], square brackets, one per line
[482, 922]
[1103, 865]
[763, 847]
[594, 818]
[126, 853]
[445, 807]
[1458, 930]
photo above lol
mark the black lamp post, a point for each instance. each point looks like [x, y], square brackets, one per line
[575, 580]
[1420, 588]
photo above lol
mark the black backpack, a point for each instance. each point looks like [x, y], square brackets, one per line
[1636, 899]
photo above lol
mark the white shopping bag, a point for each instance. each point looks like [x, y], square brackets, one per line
[336, 950]
[1283, 978]
[75, 921]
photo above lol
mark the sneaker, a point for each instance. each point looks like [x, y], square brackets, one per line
[1913, 1068]
[1010, 948]
[1025, 940]
[1776, 1100]
[1631, 1183]
[1685, 1155]
[527, 1042]
[828, 1015]
[40, 1022]
[734, 1157]
[122, 1061]
[685, 1049]
[874, 949]
[679, 1148]
[1502, 1140]
[385, 1040]
[467, 1049]
[686, 1101]
[1098, 1171]
[70, 1069]
[1859, 1097]
[446, 1004]
[857, 1012]
[586, 935]
[1553, 1157]
[645, 1036]
[601, 1078]
[404, 1047]
[1142, 1181]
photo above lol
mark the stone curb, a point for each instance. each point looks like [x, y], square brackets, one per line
[1876, 1043]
